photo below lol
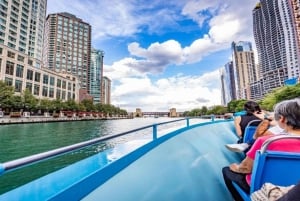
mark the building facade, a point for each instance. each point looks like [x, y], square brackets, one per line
[22, 26]
[16, 70]
[21, 42]
[277, 48]
[106, 94]
[96, 75]
[227, 83]
[245, 70]
[67, 46]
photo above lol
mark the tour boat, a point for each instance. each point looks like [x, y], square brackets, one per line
[183, 164]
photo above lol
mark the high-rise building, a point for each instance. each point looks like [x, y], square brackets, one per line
[275, 38]
[22, 26]
[228, 83]
[21, 40]
[106, 94]
[245, 71]
[96, 75]
[67, 46]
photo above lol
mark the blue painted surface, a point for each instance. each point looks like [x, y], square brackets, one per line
[185, 166]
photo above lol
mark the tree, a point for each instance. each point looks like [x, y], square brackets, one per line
[28, 100]
[6, 95]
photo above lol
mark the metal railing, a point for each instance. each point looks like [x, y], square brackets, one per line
[25, 161]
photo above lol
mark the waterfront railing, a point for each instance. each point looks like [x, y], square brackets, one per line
[25, 161]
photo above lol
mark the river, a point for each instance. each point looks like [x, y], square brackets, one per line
[22, 140]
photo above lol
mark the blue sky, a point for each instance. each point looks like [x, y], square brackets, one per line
[163, 54]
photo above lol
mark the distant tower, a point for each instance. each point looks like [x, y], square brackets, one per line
[67, 46]
[96, 75]
[244, 67]
[228, 83]
[106, 94]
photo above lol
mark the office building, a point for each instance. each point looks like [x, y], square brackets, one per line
[67, 46]
[21, 41]
[228, 90]
[245, 70]
[96, 75]
[106, 94]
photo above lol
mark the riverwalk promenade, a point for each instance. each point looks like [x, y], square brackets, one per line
[48, 119]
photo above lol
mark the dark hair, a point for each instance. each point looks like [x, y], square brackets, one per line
[290, 109]
[251, 107]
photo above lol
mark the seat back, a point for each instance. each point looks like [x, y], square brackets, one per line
[250, 130]
[277, 167]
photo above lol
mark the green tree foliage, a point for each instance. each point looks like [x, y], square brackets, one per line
[29, 101]
[6, 94]
[278, 95]
[236, 105]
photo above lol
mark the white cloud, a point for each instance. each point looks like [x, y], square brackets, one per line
[180, 92]
[226, 21]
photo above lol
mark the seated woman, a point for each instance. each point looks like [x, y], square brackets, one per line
[287, 115]
[252, 113]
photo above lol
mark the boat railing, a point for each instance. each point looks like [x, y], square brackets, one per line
[25, 161]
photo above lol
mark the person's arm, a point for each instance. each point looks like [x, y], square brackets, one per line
[237, 126]
[244, 167]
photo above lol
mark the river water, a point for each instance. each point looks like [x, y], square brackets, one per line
[22, 140]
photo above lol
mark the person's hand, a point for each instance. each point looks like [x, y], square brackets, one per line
[234, 167]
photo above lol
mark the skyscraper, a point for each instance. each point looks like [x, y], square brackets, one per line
[21, 40]
[96, 75]
[22, 27]
[67, 46]
[228, 83]
[275, 38]
[244, 68]
[106, 94]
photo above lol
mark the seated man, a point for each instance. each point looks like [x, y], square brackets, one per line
[287, 115]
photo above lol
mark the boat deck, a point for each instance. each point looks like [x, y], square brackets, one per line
[186, 167]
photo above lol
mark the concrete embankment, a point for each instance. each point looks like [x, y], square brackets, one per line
[42, 119]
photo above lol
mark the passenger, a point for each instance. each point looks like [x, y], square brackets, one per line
[252, 109]
[287, 115]
[266, 127]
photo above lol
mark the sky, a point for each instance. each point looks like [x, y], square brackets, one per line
[163, 54]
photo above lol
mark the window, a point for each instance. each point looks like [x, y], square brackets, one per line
[20, 58]
[18, 86]
[29, 74]
[51, 92]
[58, 93]
[36, 90]
[58, 84]
[45, 91]
[11, 54]
[45, 79]
[8, 81]
[69, 86]
[30, 62]
[64, 84]
[19, 70]
[29, 86]
[52, 81]
[63, 95]
[9, 68]
[37, 77]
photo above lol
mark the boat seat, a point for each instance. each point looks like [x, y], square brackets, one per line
[274, 166]
[250, 130]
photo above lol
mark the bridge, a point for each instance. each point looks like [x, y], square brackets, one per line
[171, 113]
[156, 114]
